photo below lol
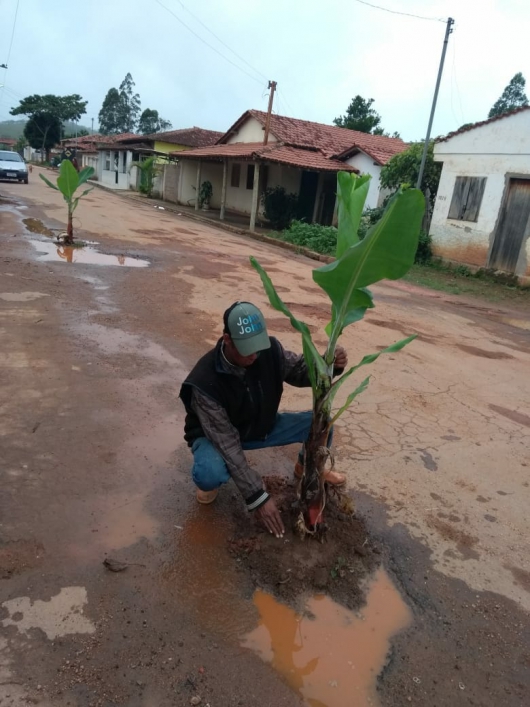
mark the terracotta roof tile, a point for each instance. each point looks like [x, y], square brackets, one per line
[331, 140]
[274, 152]
[482, 122]
[190, 137]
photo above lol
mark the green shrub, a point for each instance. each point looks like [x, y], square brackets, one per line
[462, 270]
[424, 252]
[368, 219]
[280, 207]
[321, 239]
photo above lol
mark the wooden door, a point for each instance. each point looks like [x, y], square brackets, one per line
[513, 227]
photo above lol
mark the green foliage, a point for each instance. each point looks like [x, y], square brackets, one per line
[150, 122]
[424, 251]
[43, 131]
[512, 97]
[387, 251]
[68, 181]
[205, 193]
[360, 116]
[280, 207]
[404, 169]
[21, 144]
[46, 115]
[369, 217]
[148, 170]
[120, 109]
[321, 239]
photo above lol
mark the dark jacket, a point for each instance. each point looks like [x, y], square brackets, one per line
[251, 402]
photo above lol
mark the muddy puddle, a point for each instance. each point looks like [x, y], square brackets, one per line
[329, 655]
[87, 255]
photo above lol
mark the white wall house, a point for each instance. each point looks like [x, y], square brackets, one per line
[482, 211]
[301, 156]
[114, 168]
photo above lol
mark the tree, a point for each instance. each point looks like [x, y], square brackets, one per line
[43, 131]
[404, 168]
[512, 97]
[129, 106]
[387, 251]
[82, 132]
[45, 114]
[68, 181]
[20, 145]
[150, 122]
[148, 172]
[108, 115]
[361, 116]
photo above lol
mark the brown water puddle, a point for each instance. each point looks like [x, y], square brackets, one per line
[330, 655]
[35, 225]
[519, 323]
[86, 255]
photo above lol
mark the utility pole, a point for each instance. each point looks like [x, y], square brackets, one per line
[272, 86]
[92, 126]
[448, 30]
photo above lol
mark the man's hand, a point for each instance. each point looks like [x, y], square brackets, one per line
[341, 358]
[270, 516]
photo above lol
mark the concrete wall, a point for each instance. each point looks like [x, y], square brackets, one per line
[493, 151]
[171, 182]
[168, 147]
[367, 165]
[250, 131]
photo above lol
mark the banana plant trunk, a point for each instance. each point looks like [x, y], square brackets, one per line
[69, 229]
[317, 453]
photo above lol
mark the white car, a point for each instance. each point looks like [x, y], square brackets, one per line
[12, 166]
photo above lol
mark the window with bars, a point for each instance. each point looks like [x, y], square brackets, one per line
[467, 197]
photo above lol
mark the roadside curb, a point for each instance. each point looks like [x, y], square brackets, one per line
[298, 250]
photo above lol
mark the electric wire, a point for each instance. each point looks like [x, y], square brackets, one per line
[208, 44]
[3, 87]
[397, 12]
[221, 41]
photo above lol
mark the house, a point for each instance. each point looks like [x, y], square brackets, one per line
[178, 140]
[482, 212]
[7, 143]
[299, 155]
[117, 153]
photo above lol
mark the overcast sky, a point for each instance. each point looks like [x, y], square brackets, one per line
[320, 53]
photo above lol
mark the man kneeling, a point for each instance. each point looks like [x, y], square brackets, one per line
[232, 397]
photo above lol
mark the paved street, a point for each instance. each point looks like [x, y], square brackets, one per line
[92, 464]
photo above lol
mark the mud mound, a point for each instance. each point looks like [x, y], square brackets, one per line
[292, 569]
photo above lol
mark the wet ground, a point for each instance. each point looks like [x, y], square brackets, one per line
[92, 466]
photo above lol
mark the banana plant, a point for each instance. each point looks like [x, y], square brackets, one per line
[386, 252]
[68, 181]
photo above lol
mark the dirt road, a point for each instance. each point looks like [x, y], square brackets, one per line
[93, 465]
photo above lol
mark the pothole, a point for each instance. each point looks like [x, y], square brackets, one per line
[87, 255]
[35, 225]
[329, 655]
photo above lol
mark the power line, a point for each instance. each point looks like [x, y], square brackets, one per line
[10, 47]
[221, 41]
[396, 12]
[208, 44]
[12, 34]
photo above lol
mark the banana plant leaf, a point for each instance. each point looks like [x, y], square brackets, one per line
[85, 174]
[50, 184]
[68, 179]
[316, 365]
[351, 196]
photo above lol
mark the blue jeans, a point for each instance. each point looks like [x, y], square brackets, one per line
[209, 468]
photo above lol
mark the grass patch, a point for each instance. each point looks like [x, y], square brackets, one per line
[461, 281]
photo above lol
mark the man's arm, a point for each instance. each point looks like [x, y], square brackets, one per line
[225, 438]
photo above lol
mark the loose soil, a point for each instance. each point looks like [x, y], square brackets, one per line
[293, 569]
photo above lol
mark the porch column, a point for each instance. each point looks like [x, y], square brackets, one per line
[255, 198]
[198, 185]
[223, 190]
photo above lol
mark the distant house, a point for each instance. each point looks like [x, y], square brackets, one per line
[301, 156]
[7, 143]
[117, 153]
[482, 211]
[178, 140]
